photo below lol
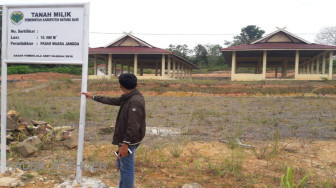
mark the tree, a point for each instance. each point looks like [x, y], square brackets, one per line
[326, 36]
[181, 50]
[215, 56]
[247, 35]
[201, 55]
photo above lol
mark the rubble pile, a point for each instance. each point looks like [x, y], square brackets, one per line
[26, 136]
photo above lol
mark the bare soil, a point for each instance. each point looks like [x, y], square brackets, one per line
[296, 131]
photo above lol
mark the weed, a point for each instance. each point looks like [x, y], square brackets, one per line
[287, 180]
[176, 149]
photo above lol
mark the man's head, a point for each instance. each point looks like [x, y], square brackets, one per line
[128, 82]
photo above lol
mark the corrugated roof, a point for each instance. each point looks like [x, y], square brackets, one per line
[278, 46]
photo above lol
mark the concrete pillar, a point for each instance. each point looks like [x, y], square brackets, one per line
[169, 75]
[324, 62]
[331, 60]
[109, 66]
[178, 70]
[284, 68]
[141, 70]
[135, 71]
[163, 64]
[122, 69]
[264, 64]
[297, 57]
[276, 72]
[95, 65]
[233, 65]
[106, 65]
[174, 68]
[312, 67]
[318, 65]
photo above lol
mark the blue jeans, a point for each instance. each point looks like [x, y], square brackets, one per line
[126, 167]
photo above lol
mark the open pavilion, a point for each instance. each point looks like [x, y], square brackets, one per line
[297, 58]
[136, 55]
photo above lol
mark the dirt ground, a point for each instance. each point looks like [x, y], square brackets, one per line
[296, 131]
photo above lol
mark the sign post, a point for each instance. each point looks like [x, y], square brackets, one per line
[45, 34]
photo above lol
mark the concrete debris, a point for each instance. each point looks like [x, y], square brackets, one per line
[11, 124]
[71, 141]
[63, 128]
[33, 140]
[25, 149]
[48, 126]
[162, 131]
[9, 137]
[192, 185]
[238, 142]
[13, 115]
[85, 182]
[36, 123]
[41, 130]
[25, 121]
[10, 182]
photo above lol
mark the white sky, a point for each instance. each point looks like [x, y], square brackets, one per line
[302, 17]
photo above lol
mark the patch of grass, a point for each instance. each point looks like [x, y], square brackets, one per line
[176, 149]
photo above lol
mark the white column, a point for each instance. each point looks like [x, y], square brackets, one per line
[324, 63]
[109, 66]
[233, 65]
[264, 64]
[331, 60]
[297, 57]
[135, 71]
[312, 67]
[318, 65]
[95, 65]
[163, 64]
[178, 70]
[174, 68]
[308, 68]
[168, 65]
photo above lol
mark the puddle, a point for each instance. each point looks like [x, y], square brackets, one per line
[162, 131]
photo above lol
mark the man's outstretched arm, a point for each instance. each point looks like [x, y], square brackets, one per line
[105, 100]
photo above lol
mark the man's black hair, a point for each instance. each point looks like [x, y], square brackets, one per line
[129, 81]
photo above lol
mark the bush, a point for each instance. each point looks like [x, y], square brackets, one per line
[26, 69]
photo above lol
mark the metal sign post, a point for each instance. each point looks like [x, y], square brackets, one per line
[45, 34]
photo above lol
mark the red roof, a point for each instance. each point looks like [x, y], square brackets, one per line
[278, 46]
[128, 50]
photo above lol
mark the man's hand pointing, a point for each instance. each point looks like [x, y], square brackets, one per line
[88, 95]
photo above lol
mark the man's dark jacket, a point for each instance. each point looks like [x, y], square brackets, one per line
[130, 125]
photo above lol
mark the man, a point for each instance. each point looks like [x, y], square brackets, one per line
[130, 125]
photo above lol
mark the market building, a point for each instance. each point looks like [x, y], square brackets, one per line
[131, 54]
[280, 55]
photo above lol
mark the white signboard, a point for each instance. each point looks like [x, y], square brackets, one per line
[45, 34]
